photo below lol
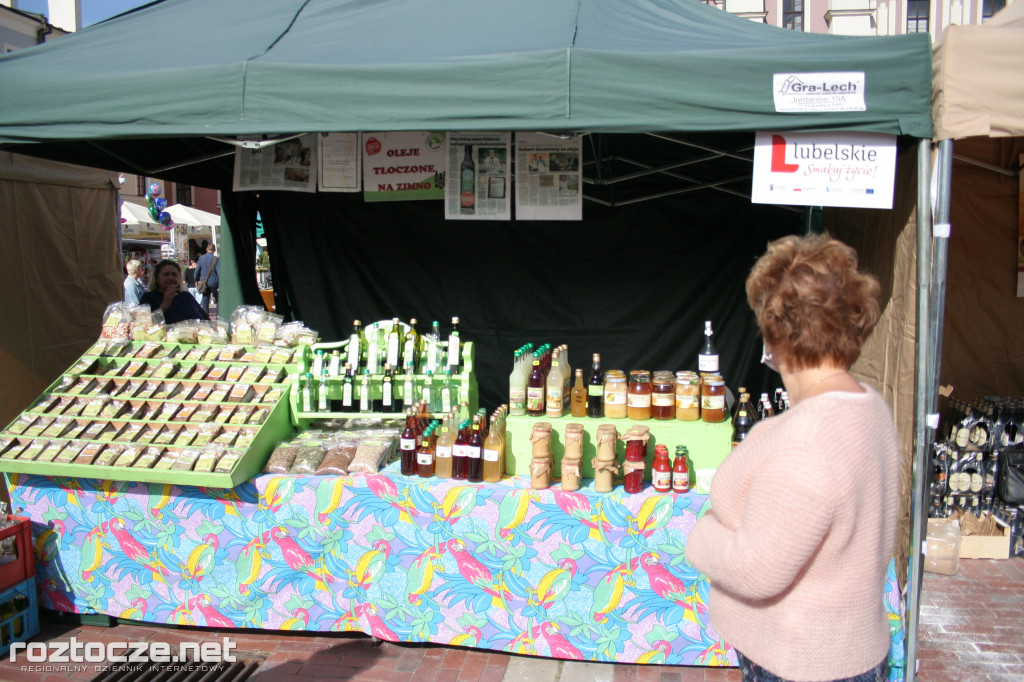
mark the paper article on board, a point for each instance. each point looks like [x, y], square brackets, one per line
[548, 177]
[478, 182]
[340, 162]
[290, 165]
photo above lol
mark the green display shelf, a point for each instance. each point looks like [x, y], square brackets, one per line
[708, 444]
[463, 383]
[103, 370]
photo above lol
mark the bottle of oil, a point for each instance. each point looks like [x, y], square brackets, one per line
[356, 345]
[394, 344]
[578, 398]
[411, 348]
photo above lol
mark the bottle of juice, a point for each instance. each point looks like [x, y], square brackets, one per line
[407, 445]
[595, 389]
[517, 384]
[661, 471]
[578, 396]
[475, 465]
[460, 454]
[492, 453]
[681, 471]
[535, 389]
[554, 386]
[425, 455]
[443, 450]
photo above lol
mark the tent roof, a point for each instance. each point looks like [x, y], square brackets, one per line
[977, 85]
[234, 67]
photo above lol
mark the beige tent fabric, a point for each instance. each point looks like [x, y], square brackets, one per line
[886, 244]
[983, 336]
[977, 88]
[59, 267]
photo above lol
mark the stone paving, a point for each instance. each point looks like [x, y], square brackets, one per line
[972, 629]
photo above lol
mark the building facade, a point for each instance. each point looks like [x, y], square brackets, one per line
[865, 17]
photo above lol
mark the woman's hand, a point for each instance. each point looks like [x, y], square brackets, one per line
[169, 295]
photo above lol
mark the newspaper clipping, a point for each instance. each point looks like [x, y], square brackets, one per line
[403, 166]
[548, 177]
[340, 162]
[289, 165]
[478, 172]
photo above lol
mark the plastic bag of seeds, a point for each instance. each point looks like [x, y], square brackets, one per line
[281, 459]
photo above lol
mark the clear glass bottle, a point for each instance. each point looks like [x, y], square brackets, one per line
[492, 453]
[434, 350]
[443, 450]
[553, 389]
[448, 395]
[517, 384]
[307, 393]
[707, 360]
[373, 348]
[318, 363]
[322, 403]
[427, 391]
[365, 401]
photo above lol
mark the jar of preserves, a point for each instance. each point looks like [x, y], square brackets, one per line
[687, 396]
[712, 401]
[663, 396]
[615, 391]
[638, 401]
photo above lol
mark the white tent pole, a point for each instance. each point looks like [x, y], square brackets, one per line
[918, 504]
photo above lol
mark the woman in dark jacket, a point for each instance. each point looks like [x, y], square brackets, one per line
[165, 289]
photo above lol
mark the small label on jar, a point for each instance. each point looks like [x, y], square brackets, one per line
[681, 481]
[424, 458]
[712, 402]
[615, 398]
[639, 400]
[686, 401]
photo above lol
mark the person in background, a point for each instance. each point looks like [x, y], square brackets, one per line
[190, 279]
[208, 265]
[802, 523]
[133, 286]
[165, 289]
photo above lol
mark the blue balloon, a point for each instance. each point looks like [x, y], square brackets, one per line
[161, 203]
[154, 189]
[165, 219]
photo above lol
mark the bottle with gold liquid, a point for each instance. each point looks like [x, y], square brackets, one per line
[492, 453]
[443, 450]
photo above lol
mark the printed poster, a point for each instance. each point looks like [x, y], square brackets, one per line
[478, 172]
[290, 165]
[403, 166]
[824, 169]
[340, 162]
[548, 177]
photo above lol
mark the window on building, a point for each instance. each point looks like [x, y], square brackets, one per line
[184, 194]
[793, 14]
[917, 16]
[140, 186]
[990, 7]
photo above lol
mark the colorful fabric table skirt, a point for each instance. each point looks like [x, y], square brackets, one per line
[570, 575]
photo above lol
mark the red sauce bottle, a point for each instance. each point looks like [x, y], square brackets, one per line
[661, 471]
[681, 470]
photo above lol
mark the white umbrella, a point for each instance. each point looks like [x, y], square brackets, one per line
[135, 216]
[193, 217]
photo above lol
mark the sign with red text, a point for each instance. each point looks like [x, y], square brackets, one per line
[824, 169]
[403, 166]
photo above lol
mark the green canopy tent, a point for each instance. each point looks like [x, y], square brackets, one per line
[657, 85]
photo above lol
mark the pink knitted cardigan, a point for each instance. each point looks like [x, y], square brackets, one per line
[800, 535]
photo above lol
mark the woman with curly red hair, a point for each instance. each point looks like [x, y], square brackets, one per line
[803, 512]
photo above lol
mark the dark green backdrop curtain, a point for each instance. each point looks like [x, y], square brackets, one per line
[633, 283]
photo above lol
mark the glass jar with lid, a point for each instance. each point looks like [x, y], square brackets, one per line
[638, 401]
[712, 401]
[687, 396]
[615, 391]
[663, 396]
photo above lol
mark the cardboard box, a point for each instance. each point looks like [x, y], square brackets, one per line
[986, 546]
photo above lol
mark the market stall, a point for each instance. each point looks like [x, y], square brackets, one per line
[634, 280]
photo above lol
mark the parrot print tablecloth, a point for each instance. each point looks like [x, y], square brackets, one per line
[570, 575]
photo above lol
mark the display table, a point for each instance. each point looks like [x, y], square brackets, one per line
[578, 576]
